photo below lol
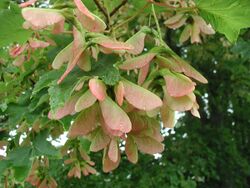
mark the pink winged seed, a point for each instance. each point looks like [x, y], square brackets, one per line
[131, 150]
[78, 49]
[108, 130]
[114, 116]
[181, 104]
[137, 62]
[78, 43]
[38, 44]
[179, 65]
[83, 9]
[178, 85]
[71, 66]
[42, 18]
[141, 98]
[84, 61]
[99, 140]
[58, 27]
[97, 25]
[112, 44]
[143, 74]
[84, 124]
[63, 56]
[67, 109]
[167, 115]
[98, 89]
[109, 165]
[148, 145]
[27, 3]
[113, 151]
[119, 93]
[85, 101]
[188, 70]
[137, 41]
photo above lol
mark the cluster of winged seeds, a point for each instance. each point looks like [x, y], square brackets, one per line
[154, 83]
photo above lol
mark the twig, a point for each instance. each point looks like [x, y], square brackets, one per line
[118, 7]
[132, 17]
[157, 23]
[103, 10]
[173, 8]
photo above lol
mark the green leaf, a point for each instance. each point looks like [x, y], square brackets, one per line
[11, 28]
[46, 80]
[4, 4]
[226, 16]
[20, 173]
[60, 93]
[20, 156]
[110, 5]
[4, 164]
[44, 147]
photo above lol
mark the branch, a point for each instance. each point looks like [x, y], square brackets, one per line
[132, 17]
[118, 7]
[103, 10]
[173, 8]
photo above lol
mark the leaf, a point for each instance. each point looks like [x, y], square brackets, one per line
[41, 18]
[84, 123]
[11, 29]
[141, 98]
[21, 173]
[85, 101]
[228, 17]
[20, 156]
[105, 69]
[46, 80]
[114, 116]
[148, 145]
[131, 150]
[60, 94]
[111, 77]
[97, 88]
[4, 165]
[111, 5]
[99, 140]
[44, 147]
[178, 85]
[137, 62]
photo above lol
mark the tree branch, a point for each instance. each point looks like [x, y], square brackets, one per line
[103, 10]
[118, 7]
